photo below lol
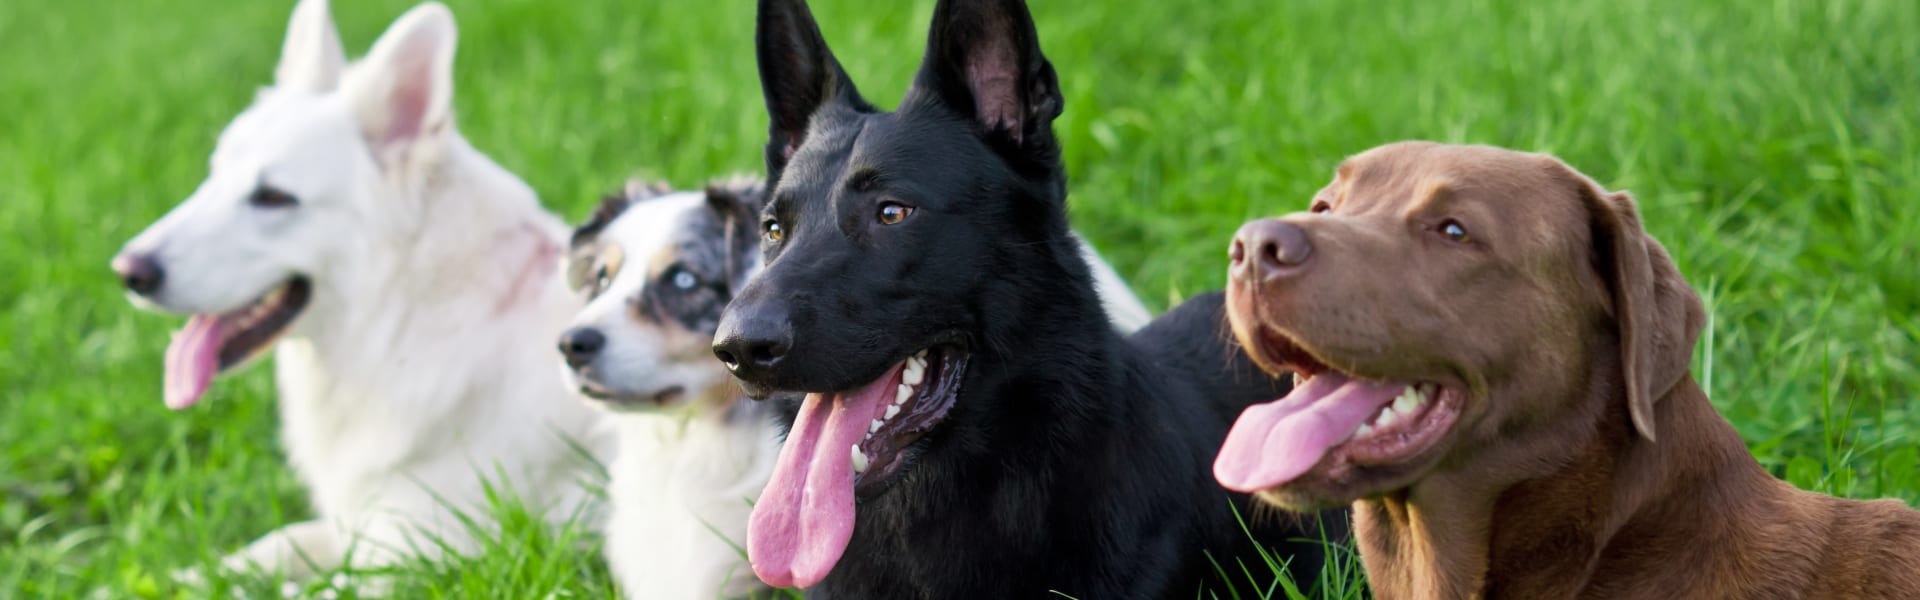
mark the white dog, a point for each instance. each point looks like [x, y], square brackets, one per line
[657, 268]
[410, 287]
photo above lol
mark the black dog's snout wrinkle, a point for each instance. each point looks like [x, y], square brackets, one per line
[581, 345]
[141, 273]
[1269, 249]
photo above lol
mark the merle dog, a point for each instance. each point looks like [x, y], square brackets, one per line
[962, 385]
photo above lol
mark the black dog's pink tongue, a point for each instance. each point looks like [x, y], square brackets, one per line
[802, 522]
[1272, 443]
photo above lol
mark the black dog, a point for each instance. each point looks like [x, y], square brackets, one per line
[962, 381]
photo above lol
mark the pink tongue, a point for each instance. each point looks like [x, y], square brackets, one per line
[802, 522]
[1275, 442]
[192, 360]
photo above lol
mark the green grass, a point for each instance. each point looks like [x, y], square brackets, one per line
[1769, 143]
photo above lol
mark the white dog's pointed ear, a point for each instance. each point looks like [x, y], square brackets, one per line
[311, 59]
[403, 90]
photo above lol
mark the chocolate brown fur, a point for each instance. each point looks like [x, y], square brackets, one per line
[1586, 462]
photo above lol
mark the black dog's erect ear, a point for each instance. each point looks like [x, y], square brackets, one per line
[798, 75]
[1658, 316]
[983, 60]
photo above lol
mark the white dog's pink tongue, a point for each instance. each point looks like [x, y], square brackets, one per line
[1272, 443]
[192, 360]
[804, 519]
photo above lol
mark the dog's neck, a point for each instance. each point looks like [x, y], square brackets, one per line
[474, 248]
[1574, 514]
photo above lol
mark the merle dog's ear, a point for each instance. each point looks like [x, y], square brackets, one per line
[983, 61]
[1657, 315]
[798, 75]
[737, 203]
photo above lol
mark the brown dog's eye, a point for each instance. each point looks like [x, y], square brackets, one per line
[1321, 207]
[771, 229]
[1454, 231]
[894, 212]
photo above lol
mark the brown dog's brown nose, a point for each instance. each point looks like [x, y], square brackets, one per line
[1269, 248]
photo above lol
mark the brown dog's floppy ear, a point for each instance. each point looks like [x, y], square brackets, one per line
[1658, 315]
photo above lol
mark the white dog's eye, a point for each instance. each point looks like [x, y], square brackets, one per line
[267, 196]
[684, 279]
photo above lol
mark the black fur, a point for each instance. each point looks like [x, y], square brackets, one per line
[1074, 460]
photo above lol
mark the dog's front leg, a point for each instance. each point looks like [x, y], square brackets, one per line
[297, 551]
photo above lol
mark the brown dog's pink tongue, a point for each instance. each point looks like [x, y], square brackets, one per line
[193, 358]
[802, 522]
[1272, 443]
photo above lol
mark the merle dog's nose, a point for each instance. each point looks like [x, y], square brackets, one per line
[1268, 249]
[752, 344]
[139, 272]
[580, 345]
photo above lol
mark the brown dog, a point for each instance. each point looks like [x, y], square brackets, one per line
[1492, 359]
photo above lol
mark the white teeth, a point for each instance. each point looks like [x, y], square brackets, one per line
[1365, 428]
[859, 460]
[875, 427]
[1407, 402]
[916, 371]
[1387, 417]
[892, 411]
[922, 354]
[901, 395]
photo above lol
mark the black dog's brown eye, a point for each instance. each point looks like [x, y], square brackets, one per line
[894, 212]
[267, 196]
[1321, 207]
[1454, 231]
[771, 230]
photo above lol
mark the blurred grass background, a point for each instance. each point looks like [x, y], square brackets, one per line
[1770, 143]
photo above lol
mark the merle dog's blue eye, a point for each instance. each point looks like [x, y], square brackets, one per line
[267, 196]
[684, 279]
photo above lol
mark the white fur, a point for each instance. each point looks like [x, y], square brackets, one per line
[422, 368]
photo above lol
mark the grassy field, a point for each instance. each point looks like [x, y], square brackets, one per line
[1770, 143]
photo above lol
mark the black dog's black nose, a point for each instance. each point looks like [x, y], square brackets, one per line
[1275, 247]
[580, 345]
[750, 346]
[139, 272]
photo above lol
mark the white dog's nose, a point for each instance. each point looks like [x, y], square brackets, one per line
[139, 272]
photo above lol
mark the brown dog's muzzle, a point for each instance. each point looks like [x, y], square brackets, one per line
[1267, 251]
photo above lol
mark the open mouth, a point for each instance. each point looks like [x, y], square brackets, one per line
[841, 443]
[211, 344]
[1332, 420]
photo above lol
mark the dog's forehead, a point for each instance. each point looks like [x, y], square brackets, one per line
[648, 228]
[280, 123]
[820, 161]
[1520, 188]
[907, 149]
